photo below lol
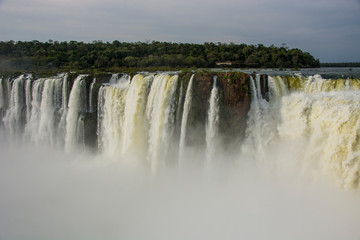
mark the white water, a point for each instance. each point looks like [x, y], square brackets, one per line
[137, 119]
[91, 96]
[63, 110]
[14, 118]
[48, 106]
[28, 98]
[134, 136]
[184, 119]
[160, 114]
[212, 125]
[43, 100]
[327, 126]
[76, 107]
[179, 107]
[111, 114]
[111, 107]
[261, 125]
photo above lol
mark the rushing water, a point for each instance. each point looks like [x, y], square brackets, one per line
[77, 106]
[184, 119]
[295, 174]
[212, 125]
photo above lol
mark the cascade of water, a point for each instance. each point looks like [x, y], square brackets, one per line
[63, 109]
[316, 83]
[328, 126]
[134, 133]
[28, 98]
[261, 125]
[114, 79]
[65, 92]
[111, 104]
[58, 93]
[120, 82]
[80, 133]
[14, 119]
[91, 97]
[187, 106]
[277, 88]
[42, 123]
[179, 107]
[100, 116]
[32, 126]
[212, 123]
[47, 125]
[77, 106]
[160, 114]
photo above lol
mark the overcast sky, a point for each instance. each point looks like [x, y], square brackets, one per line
[328, 29]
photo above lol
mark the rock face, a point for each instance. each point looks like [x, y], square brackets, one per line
[234, 102]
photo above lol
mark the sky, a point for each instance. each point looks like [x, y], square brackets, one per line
[328, 29]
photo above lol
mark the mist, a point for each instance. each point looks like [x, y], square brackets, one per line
[46, 194]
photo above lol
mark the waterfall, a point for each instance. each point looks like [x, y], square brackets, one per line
[100, 117]
[263, 116]
[14, 119]
[76, 107]
[179, 106]
[277, 88]
[80, 133]
[91, 96]
[212, 123]
[114, 79]
[32, 126]
[47, 123]
[134, 134]
[133, 121]
[119, 81]
[111, 107]
[28, 98]
[304, 126]
[254, 144]
[63, 109]
[42, 106]
[160, 114]
[187, 106]
[58, 93]
[325, 128]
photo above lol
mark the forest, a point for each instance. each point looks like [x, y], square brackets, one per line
[115, 56]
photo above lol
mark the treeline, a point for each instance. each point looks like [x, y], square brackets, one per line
[342, 64]
[35, 55]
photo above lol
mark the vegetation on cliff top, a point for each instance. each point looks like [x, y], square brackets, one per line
[54, 55]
